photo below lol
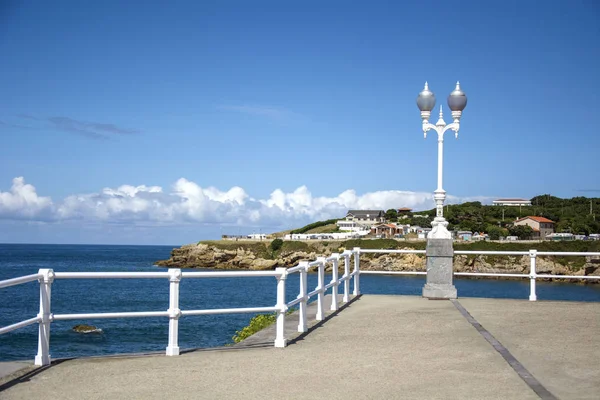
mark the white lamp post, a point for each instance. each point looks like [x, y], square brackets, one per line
[457, 101]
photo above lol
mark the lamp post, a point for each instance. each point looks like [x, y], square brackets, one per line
[457, 101]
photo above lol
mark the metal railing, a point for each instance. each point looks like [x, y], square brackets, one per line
[532, 275]
[46, 277]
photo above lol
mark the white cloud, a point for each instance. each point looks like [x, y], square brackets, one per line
[22, 201]
[187, 202]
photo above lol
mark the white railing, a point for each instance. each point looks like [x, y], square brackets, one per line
[46, 277]
[532, 275]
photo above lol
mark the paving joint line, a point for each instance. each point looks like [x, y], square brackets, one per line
[523, 373]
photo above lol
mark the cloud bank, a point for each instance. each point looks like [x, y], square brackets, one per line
[186, 202]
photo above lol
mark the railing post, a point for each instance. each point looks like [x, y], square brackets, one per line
[532, 275]
[356, 252]
[346, 255]
[45, 317]
[174, 311]
[320, 287]
[302, 325]
[280, 340]
[334, 280]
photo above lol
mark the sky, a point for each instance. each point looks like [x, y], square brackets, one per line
[170, 122]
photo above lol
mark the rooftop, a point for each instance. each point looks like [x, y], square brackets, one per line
[524, 200]
[537, 219]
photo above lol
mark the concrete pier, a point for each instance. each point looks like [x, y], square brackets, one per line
[378, 347]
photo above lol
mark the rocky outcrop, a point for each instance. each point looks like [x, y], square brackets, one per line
[213, 257]
[86, 329]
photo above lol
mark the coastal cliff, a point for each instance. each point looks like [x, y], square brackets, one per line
[259, 256]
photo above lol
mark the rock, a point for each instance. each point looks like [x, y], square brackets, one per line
[250, 258]
[262, 264]
[86, 329]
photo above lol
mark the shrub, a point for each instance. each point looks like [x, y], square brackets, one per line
[276, 245]
[256, 324]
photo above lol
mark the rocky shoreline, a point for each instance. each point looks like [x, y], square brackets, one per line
[214, 256]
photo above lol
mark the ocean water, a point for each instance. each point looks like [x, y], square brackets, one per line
[131, 335]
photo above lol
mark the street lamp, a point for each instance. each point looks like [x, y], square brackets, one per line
[457, 101]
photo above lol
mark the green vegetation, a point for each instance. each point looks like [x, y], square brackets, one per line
[276, 245]
[292, 246]
[256, 324]
[330, 228]
[314, 225]
[391, 215]
[524, 232]
[576, 215]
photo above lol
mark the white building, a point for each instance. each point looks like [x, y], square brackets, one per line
[512, 202]
[359, 220]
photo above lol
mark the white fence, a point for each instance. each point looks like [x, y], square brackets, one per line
[532, 275]
[46, 277]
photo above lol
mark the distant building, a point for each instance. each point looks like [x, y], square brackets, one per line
[541, 226]
[479, 236]
[361, 219]
[404, 210]
[466, 236]
[387, 230]
[423, 232]
[511, 202]
[561, 236]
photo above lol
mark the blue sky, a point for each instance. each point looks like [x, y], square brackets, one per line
[131, 122]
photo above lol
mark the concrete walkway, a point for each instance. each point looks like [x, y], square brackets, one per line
[378, 347]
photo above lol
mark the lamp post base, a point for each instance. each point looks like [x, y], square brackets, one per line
[439, 230]
[440, 255]
[439, 292]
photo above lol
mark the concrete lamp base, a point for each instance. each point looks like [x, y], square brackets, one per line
[440, 255]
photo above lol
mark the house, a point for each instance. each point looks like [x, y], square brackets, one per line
[404, 210]
[511, 202]
[541, 226]
[478, 236]
[464, 236]
[414, 229]
[560, 236]
[423, 232]
[357, 220]
[387, 230]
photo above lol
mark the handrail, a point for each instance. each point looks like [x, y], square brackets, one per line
[486, 252]
[46, 277]
[393, 251]
[532, 275]
[18, 325]
[136, 314]
[17, 281]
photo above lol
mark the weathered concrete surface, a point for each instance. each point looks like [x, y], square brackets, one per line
[439, 270]
[558, 342]
[11, 369]
[379, 347]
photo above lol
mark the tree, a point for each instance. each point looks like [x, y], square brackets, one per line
[495, 232]
[391, 215]
[524, 232]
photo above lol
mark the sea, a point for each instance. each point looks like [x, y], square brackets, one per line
[139, 335]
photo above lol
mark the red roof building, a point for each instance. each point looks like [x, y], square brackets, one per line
[541, 226]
